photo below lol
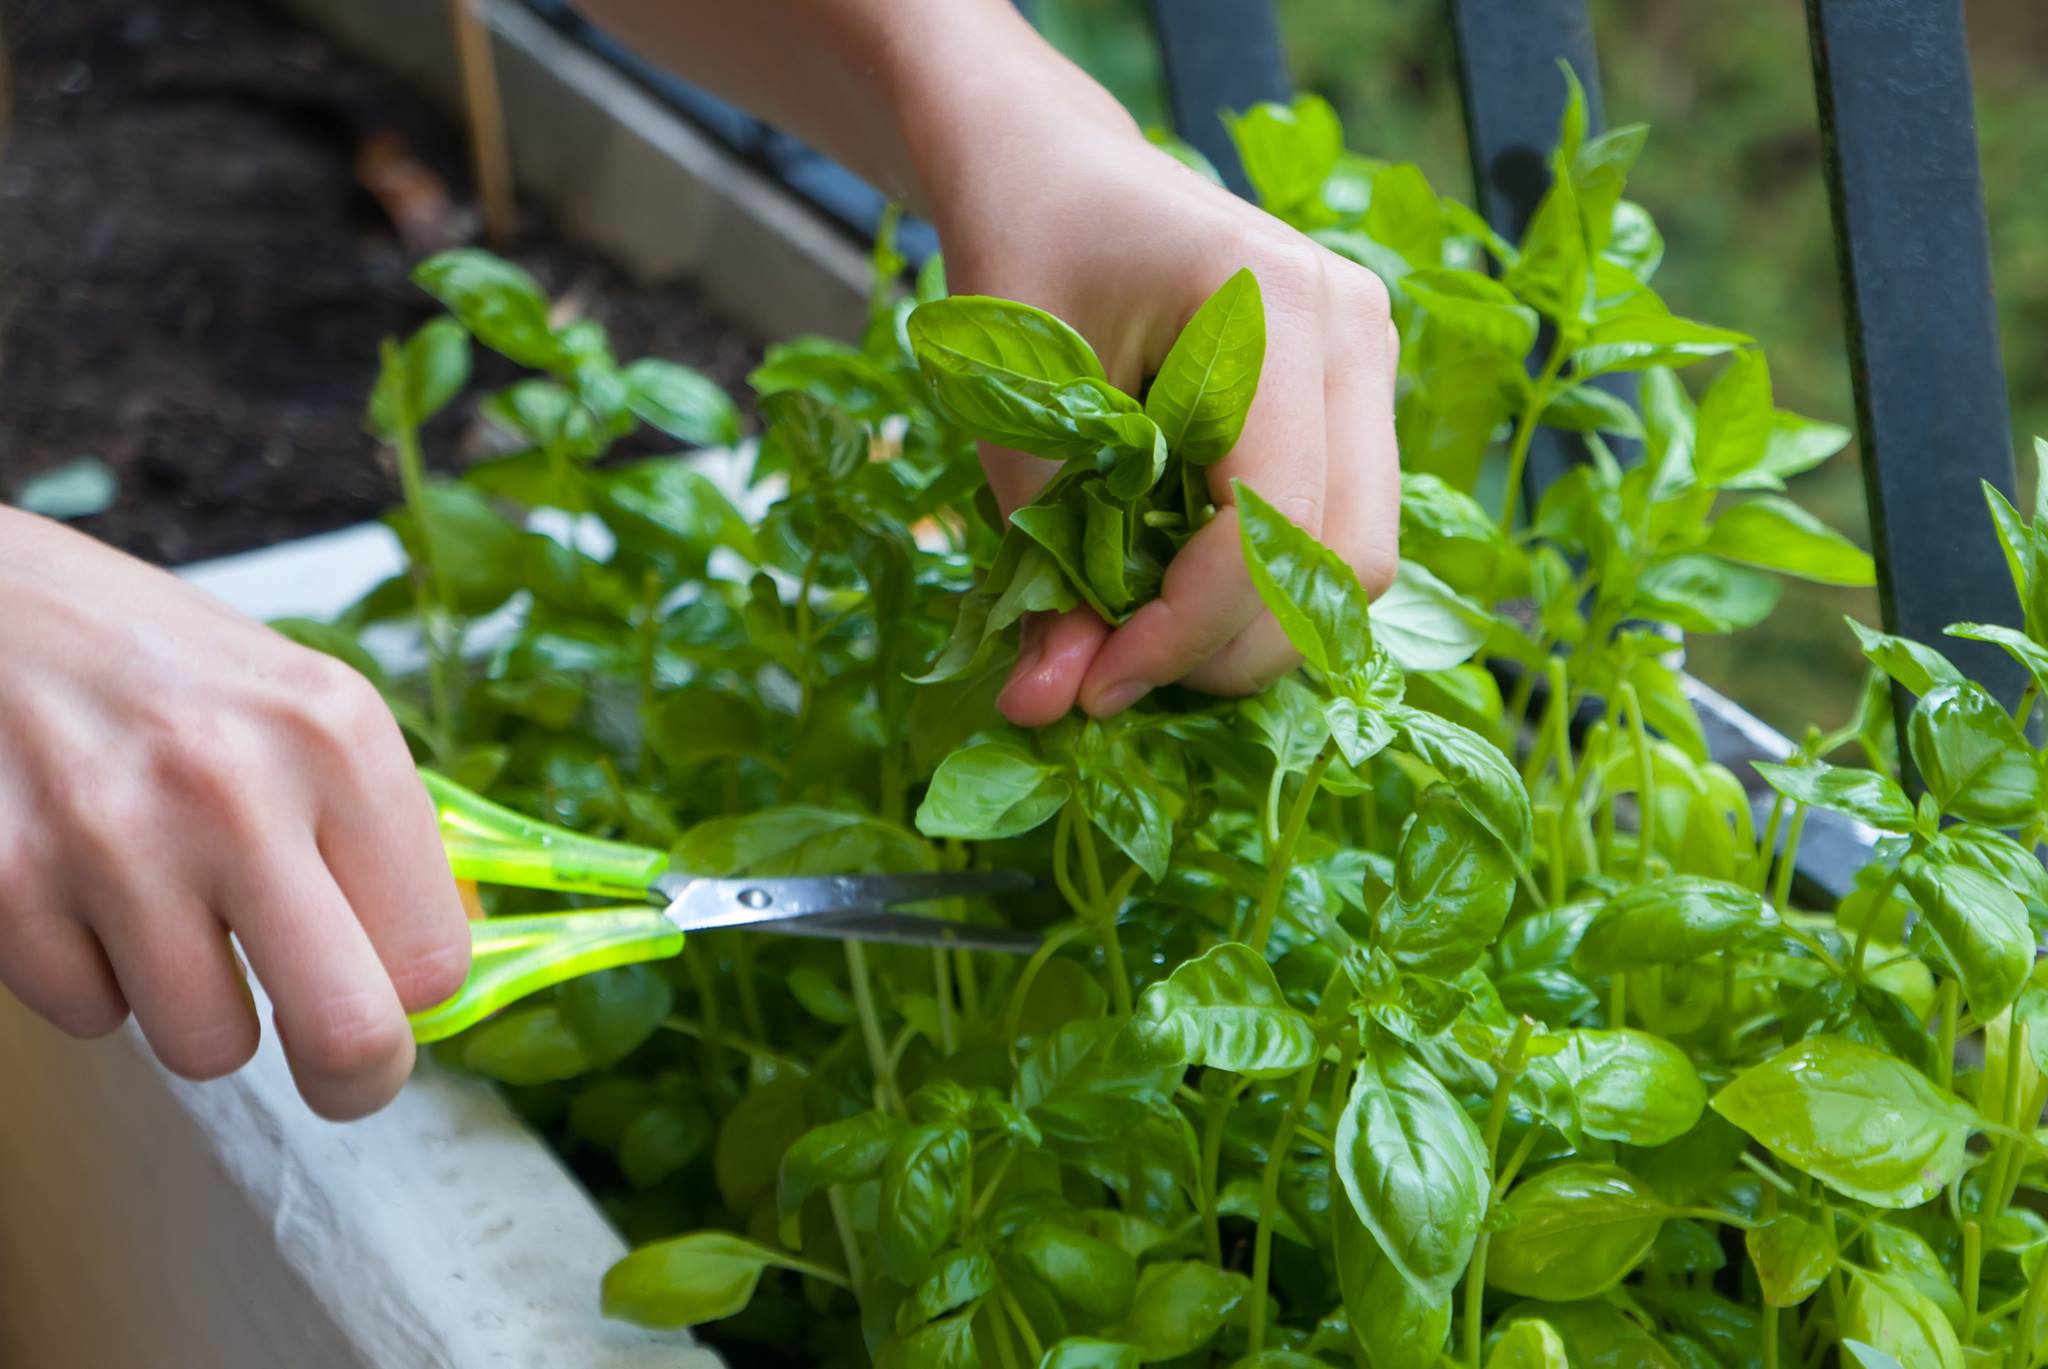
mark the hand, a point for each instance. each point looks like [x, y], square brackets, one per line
[1062, 203]
[171, 772]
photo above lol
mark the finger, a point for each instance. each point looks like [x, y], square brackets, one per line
[382, 844]
[1206, 598]
[178, 973]
[60, 971]
[1015, 478]
[1052, 660]
[344, 1031]
[1362, 499]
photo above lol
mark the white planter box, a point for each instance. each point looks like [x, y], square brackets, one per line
[151, 1223]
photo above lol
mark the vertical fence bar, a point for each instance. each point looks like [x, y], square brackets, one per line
[1219, 55]
[1899, 133]
[1508, 51]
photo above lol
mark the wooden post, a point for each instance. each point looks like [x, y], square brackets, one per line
[490, 163]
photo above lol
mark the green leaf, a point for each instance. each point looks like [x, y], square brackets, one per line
[1205, 386]
[1906, 1255]
[956, 1278]
[1796, 445]
[686, 404]
[1636, 342]
[1867, 1125]
[1528, 1344]
[1091, 1279]
[1474, 306]
[1863, 794]
[1575, 1231]
[533, 1045]
[1590, 409]
[1104, 568]
[1779, 535]
[947, 1344]
[818, 440]
[1735, 419]
[1486, 783]
[990, 790]
[1311, 590]
[1413, 1167]
[1792, 1256]
[1918, 668]
[920, 1199]
[747, 1159]
[1289, 721]
[1552, 272]
[417, 380]
[660, 1141]
[1631, 1086]
[500, 304]
[1083, 1352]
[2022, 648]
[1972, 757]
[701, 1277]
[843, 1152]
[1224, 1010]
[797, 839]
[1867, 1356]
[1001, 335]
[1393, 1321]
[613, 1011]
[1453, 885]
[1287, 150]
[1891, 1316]
[1982, 928]
[1705, 594]
[1424, 624]
[1598, 1335]
[1179, 1307]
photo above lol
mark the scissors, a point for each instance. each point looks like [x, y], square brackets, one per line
[511, 957]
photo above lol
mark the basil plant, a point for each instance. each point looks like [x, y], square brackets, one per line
[1444, 1004]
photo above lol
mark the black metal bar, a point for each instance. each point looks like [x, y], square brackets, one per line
[1219, 55]
[1508, 51]
[1900, 138]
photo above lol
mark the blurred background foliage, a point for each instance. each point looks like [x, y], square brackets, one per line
[1733, 176]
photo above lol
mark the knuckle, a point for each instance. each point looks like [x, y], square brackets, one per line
[209, 1050]
[1376, 565]
[1302, 508]
[349, 1035]
[1289, 267]
[340, 707]
[434, 973]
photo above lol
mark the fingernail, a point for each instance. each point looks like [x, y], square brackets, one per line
[1118, 697]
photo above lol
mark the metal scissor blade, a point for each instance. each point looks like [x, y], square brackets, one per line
[703, 904]
[909, 929]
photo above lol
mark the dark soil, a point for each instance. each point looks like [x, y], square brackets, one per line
[193, 282]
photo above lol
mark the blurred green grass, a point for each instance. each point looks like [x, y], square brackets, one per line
[1733, 175]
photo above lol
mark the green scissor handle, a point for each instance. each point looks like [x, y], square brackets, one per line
[511, 957]
[491, 844]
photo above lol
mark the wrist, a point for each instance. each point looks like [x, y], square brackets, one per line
[979, 97]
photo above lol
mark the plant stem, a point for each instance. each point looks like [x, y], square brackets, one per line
[431, 593]
[942, 985]
[1973, 1268]
[1269, 1195]
[1646, 782]
[1767, 1328]
[886, 1098]
[1767, 846]
[1512, 1062]
[2030, 1313]
[713, 1038]
[1282, 857]
[1788, 860]
[1877, 907]
[1212, 1165]
[848, 1242]
[1525, 429]
[1104, 910]
[650, 597]
[1945, 1040]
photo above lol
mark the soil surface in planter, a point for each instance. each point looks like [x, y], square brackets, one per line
[194, 277]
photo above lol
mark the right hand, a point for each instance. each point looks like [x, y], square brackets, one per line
[172, 772]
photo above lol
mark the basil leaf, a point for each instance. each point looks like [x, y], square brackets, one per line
[1091, 1279]
[2022, 648]
[1204, 387]
[1868, 1126]
[1287, 150]
[1104, 568]
[1792, 1256]
[818, 440]
[1082, 1352]
[686, 404]
[1576, 1231]
[1918, 668]
[1982, 927]
[1474, 306]
[1425, 624]
[921, 1182]
[990, 790]
[1486, 783]
[1891, 1316]
[1003, 336]
[842, 1152]
[1734, 424]
[1779, 535]
[1453, 885]
[1597, 1335]
[500, 304]
[1637, 342]
[1551, 272]
[1631, 1086]
[1972, 757]
[1528, 1344]
[1705, 594]
[533, 1045]
[1413, 1168]
[417, 380]
[955, 1279]
[1391, 1318]
[704, 1276]
[614, 1011]
[1590, 409]
[1224, 1010]
[1311, 590]
[948, 1344]
[1863, 794]
[1179, 1307]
